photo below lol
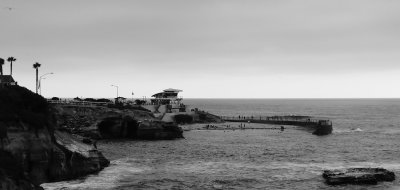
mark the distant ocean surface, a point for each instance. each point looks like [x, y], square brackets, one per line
[366, 134]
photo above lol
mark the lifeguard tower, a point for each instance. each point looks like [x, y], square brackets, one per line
[170, 100]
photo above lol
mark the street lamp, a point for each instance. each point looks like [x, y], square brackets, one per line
[40, 81]
[40, 85]
[115, 87]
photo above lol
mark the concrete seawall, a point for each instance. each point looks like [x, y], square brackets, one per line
[320, 126]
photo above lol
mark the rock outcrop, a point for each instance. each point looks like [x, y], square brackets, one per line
[32, 151]
[111, 123]
[191, 117]
[128, 127]
[205, 117]
[118, 127]
[72, 158]
[151, 130]
[358, 176]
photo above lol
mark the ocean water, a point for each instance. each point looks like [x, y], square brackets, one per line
[366, 134]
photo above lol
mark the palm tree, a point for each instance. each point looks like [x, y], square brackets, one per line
[11, 59]
[1, 66]
[36, 66]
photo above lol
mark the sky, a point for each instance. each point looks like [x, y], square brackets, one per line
[207, 48]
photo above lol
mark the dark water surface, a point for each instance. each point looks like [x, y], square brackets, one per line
[366, 133]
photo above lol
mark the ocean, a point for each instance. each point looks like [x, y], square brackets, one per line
[366, 134]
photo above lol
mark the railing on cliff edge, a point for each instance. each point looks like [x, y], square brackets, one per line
[78, 103]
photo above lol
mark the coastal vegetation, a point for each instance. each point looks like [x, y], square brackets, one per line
[128, 106]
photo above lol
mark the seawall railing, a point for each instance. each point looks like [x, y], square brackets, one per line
[282, 120]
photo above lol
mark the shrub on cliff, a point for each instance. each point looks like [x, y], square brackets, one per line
[55, 98]
[20, 104]
[103, 100]
[139, 102]
[90, 99]
[77, 99]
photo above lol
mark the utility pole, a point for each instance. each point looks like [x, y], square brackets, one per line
[40, 82]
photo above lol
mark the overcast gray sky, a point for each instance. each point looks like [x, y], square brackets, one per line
[209, 49]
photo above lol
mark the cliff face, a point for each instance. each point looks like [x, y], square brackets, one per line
[31, 150]
[25, 159]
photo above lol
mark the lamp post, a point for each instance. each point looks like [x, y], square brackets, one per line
[40, 82]
[40, 85]
[115, 87]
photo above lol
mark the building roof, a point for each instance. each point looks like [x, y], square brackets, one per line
[167, 91]
[6, 79]
[172, 90]
[158, 94]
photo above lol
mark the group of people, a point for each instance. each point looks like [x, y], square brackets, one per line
[211, 126]
[244, 117]
[241, 126]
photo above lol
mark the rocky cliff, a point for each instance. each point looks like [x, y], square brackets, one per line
[32, 150]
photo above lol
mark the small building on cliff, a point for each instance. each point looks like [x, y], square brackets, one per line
[7, 80]
[168, 101]
[168, 96]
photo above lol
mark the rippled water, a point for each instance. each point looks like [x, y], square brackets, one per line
[366, 133]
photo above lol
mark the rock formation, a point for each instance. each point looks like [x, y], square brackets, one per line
[357, 176]
[194, 117]
[32, 151]
[84, 121]
[111, 123]
[128, 127]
